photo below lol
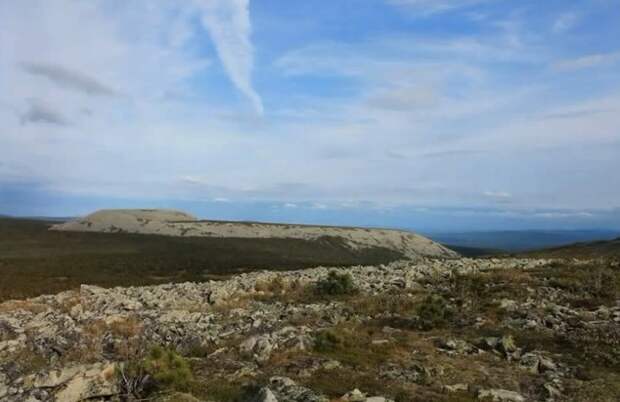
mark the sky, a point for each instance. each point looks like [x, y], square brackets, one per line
[427, 114]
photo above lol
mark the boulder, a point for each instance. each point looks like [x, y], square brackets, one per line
[536, 363]
[287, 390]
[95, 381]
[500, 395]
[456, 387]
[354, 396]
[259, 347]
[218, 296]
[505, 345]
[264, 395]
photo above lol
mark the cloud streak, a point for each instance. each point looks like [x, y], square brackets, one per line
[428, 7]
[69, 79]
[41, 112]
[588, 61]
[228, 24]
[565, 22]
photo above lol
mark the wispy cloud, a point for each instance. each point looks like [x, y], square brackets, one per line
[228, 23]
[427, 7]
[498, 195]
[403, 98]
[577, 113]
[69, 79]
[426, 113]
[564, 215]
[453, 153]
[42, 112]
[565, 22]
[588, 61]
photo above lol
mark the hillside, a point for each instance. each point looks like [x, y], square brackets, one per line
[179, 224]
[584, 250]
[35, 260]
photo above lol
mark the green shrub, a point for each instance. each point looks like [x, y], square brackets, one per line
[327, 341]
[433, 312]
[168, 369]
[161, 370]
[336, 284]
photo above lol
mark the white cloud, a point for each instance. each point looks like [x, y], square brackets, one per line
[401, 119]
[565, 22]
[498, 195]
[427, 7]
[228, 23]
[403, 98]
[588, 61]
[564, 215]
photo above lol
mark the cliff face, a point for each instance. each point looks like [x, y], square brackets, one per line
[174, 223]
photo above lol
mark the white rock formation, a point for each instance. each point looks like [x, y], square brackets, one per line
[175, 223]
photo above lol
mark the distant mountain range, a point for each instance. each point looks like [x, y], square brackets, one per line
[519, 240]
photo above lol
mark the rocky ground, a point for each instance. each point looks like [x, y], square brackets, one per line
[429, 330]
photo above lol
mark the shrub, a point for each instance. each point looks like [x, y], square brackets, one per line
[326, 341]
[433, 312]
[162, 369]
[168, 369]
[336, 284]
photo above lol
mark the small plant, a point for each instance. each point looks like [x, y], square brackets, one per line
[327, 341]
[162, 369]
[275, 286]
[168, 368]
[433, 312]
[336, 284]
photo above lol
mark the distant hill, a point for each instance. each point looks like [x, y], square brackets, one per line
[594, 249]
[179, 224]
[35, 260]
[520, 240]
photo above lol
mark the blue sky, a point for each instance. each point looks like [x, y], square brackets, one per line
[431, 114]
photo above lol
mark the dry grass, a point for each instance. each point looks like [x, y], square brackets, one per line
[24, 305]
[127, 331]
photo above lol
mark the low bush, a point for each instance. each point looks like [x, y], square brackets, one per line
[336, 284]
[433, 312]
[327, 341]
[161, 370]
[168, 369]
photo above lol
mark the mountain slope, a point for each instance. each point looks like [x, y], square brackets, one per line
[587, 250]
[35, 260]
[179, 224]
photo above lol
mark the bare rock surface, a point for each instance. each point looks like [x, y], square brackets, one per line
[176, 223]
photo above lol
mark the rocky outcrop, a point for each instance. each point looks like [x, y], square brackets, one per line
[175, 223]
[72, 346]
[500, 395]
